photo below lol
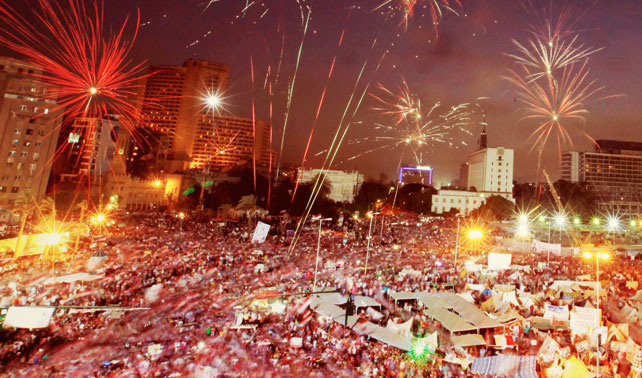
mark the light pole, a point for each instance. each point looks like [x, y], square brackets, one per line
[371, 215]
[457, 243]
[316, 266]
[560, 221]
[598, 256]
[613, 225]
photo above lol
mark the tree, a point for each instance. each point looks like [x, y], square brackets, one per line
[495, 207]
[369, 193]
[416, 198]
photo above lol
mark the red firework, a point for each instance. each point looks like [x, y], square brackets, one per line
[85, 63]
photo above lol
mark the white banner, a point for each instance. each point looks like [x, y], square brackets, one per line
[556, 312]
[539, 246]
[28, 317]
[261, 232]
[499, 261]
[583, 318]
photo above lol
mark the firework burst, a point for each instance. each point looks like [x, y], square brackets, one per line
[85, 63]
[413, 129]
[556, 102]
[552, 81]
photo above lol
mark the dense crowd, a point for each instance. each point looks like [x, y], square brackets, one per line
[196, 298]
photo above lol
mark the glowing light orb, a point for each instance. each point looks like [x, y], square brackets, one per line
[93, 90]
[53, 239]
[213, 101]
[474, 234]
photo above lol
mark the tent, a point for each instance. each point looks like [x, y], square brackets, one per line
[451, 321]
[637, 297]
[468, 340]
[391, 337]
[361, 301]
[400, 328]
[432, 301]
[620, 332]
[334, 298]
[405, 296]
[328, 309]
[506, 366]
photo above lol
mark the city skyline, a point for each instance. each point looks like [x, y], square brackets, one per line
[463, 66]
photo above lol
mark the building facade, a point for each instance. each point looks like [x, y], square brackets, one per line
[491, 170]
[184, 128]
[613, 172]
[344, 186]
[29, 127]
[462, 201]
[87, 148]
[487, 172]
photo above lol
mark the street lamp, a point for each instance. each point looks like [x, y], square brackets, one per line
[613, 225]
[560, 221]
[598, 257]
[316, 266]
[474, 234]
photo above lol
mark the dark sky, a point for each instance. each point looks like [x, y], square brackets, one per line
[463, 65]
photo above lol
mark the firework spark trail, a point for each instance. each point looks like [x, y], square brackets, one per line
[271, 94]
[316, 118]
[545, 58]
[335, 146]
[291, 92]
[253, 124]
[408, 8]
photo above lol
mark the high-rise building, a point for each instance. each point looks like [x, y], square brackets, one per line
[29, 127]
[613, 172]
[490, 169]
[488, 172]
[86, 148]
[182, 129]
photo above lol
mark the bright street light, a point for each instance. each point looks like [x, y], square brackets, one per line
[474, 234]
[542, 218]
[596, 221]
[53, 239]
[576, 220]
[157, 183]
[613, 223]
[560, 220]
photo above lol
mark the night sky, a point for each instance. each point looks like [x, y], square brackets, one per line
[463, 65]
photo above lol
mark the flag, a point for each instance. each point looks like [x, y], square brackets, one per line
[305, 319]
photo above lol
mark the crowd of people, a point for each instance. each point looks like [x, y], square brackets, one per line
[173, 296]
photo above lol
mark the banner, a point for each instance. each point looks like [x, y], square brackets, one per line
[556, 312]
[28, 317]
[499, 261]
[583, 318]
[539, 246]
[261, 232]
